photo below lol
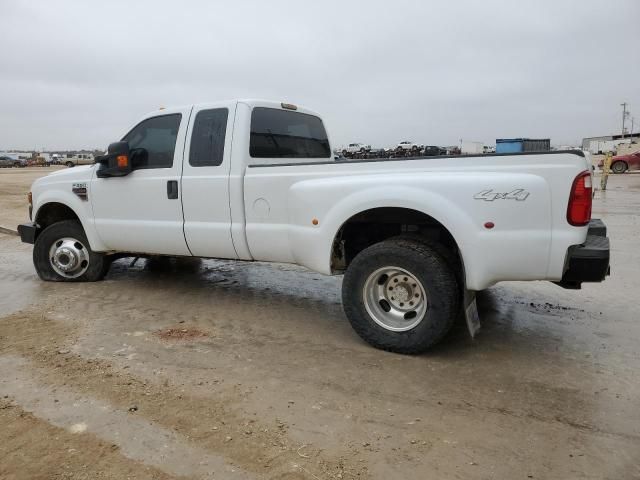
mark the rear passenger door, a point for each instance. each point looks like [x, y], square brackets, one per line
[205, 181]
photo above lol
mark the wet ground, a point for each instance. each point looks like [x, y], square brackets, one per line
[217, 369]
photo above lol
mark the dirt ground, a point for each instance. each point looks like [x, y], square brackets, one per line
[214, 369]
[14, 187]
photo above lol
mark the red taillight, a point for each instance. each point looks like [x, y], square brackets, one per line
[579, 208]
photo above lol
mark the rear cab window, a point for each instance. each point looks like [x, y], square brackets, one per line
[285, 136]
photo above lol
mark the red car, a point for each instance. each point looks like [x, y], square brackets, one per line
[622, 163]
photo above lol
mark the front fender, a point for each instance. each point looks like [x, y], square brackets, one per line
[82, 209]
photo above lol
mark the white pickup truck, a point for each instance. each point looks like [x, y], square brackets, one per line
[356, 148]
[256, 180]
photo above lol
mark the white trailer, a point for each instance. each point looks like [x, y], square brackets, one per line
[471, 148]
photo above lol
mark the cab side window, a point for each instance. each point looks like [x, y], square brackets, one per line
[157, 135]
[207, 140]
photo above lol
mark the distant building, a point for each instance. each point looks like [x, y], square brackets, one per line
[607, 143]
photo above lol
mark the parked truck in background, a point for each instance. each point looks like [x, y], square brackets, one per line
[9, 161]
[356, 148]
[73, 159]
[256, 180]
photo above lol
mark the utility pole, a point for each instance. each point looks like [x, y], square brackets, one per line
[624, 115]
[631, 133]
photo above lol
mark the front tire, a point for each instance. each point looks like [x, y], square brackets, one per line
[62, 254]
[401, 295]
[619, 167]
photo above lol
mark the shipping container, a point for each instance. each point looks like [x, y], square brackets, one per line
[506, 145]
[518, 145]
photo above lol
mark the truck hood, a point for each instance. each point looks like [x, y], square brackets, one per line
[79, 173]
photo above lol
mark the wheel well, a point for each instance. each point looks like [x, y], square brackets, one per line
[626, 165]
[51, 213]
[375, 225]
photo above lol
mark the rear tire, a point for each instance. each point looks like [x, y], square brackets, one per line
[62, 254]
[69, 164]
[619, 167]
[381, 281]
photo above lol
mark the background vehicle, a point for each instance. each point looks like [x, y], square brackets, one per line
[6, 161]
[256, 180]
[431, 150]
[73, 159]
[378, 153]
[622, 163]
[407, 145]
[356, 147]
[37, 161]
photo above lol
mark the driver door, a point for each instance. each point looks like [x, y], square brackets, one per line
[142, 212]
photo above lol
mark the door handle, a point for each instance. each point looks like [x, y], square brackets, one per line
[172, 189]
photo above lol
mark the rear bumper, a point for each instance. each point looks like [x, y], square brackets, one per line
[588, 262]
[28, 232]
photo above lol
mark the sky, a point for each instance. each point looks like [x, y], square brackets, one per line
[78, 74]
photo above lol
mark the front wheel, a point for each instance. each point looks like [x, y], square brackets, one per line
[619, 167]
[62, 254]
[401, 295]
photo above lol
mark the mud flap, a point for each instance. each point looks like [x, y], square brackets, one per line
[471, 312]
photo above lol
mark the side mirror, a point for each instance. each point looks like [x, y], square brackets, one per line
[117, 161]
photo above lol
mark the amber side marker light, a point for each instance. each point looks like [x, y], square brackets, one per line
[30, 198]
[314, 221]
[123, 161]
[289, 106]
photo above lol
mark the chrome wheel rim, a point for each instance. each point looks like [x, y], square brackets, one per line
[68, 257]
[395, 299]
